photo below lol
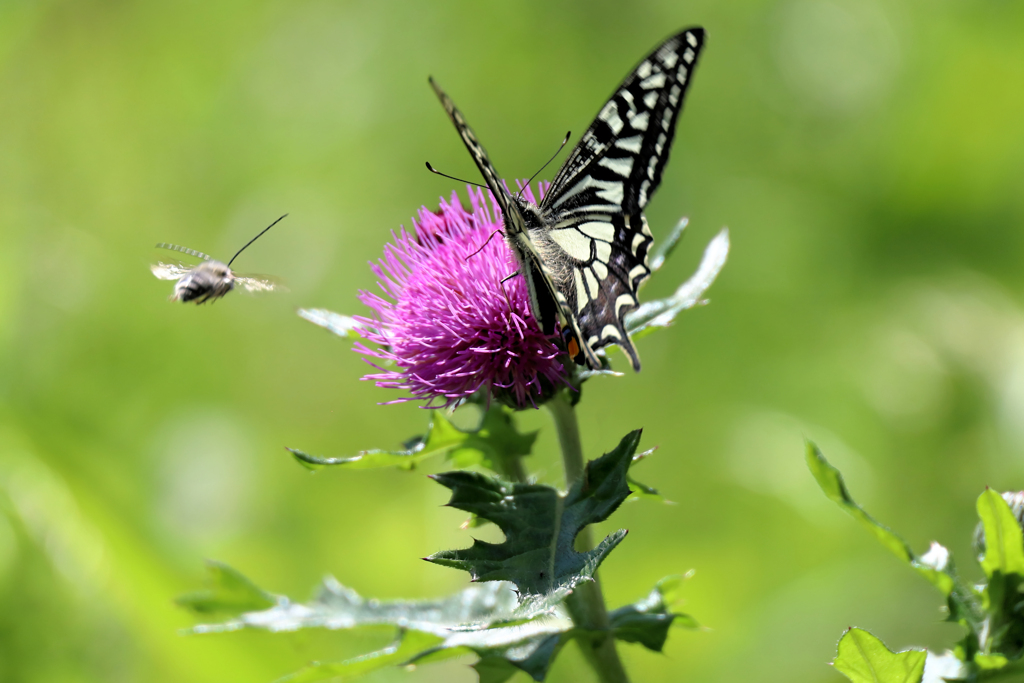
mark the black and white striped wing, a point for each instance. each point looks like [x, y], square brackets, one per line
[618, 162]
[599, 263]
[477, 150]
[593, 209]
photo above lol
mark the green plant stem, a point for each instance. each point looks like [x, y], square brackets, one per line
[512, 468]
[586, 604]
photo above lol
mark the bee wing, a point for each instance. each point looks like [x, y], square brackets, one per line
[259, 283]
[169, 271]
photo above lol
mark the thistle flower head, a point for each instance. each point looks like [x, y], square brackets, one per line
[451, 321]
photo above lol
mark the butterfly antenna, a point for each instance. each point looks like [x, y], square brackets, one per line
[496, 232]
[451, 177]
[560, 148]
[255, 238]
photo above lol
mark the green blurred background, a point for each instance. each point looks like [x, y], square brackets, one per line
[867, 156]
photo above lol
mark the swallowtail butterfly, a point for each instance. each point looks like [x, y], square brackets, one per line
[211, 279]
[583, 250]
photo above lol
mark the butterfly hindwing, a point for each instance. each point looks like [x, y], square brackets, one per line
[599, 264]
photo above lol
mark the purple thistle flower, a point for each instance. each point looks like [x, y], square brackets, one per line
[448, 322]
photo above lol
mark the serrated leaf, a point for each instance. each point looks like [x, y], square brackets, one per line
[647, 621]
[338, 607]
[863, 658]
[341, 325]
[642, 490]
[529, 647]
[664, 248]
[494, 670]
[1004, 541]
[662, 312]
[936, 565]
[540, 526]
[494, 441]
[407, 646]
[229, 592]
[831, 482]
[488, 620]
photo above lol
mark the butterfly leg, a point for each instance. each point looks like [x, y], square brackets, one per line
[506, 279]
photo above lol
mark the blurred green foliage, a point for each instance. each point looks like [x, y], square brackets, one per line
[868, 158]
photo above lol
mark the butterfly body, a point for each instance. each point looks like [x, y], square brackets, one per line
[583, 249]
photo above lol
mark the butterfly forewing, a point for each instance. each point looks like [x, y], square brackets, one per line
[618, 161]
[477, 150]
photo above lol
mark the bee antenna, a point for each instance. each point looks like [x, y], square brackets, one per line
[451, 177]
[560, 148]
[255, 238]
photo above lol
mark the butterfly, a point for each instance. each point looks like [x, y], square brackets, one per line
[583, 250]
[210, 279]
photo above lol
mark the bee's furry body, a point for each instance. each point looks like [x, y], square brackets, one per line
[208, 281]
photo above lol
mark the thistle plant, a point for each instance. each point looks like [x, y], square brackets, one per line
[991, 612]
[449, 327]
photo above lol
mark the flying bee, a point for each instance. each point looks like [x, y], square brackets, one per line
[210, 279]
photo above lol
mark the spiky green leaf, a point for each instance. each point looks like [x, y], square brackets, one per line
[488, 620]
[664, 247]
[639, 489]
[338, 607]
[864, 658]
[407, 646]
[540, 525]
[647, 621]
[1004, 541]
[662, 312]
[936, 565]
[831, 482]
[227, 592]
[494, 670]
[493, 443]
[530, 646]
